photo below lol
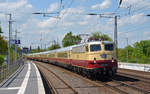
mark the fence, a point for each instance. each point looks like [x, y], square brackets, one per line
[136, 60]
[7, 69]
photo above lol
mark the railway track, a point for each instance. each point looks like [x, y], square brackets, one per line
[139, 90]
[105, 84]
[53, 89]
[143, 79]
[120, 84]
[103, 89]
[135, 73]
[99, 83]
[117, 87]
[141, 84]
[123, 88]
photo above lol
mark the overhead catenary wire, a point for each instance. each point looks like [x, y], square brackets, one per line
[67, 8]
[135, 6]
[144, 8]
[64, 11]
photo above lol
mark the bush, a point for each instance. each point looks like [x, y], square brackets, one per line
[1, 60]
[132, 60]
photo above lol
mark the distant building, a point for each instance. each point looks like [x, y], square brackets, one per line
[25, 50]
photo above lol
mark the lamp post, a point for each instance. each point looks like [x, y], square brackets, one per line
[10, 38]
[127, 50]
[16, 45]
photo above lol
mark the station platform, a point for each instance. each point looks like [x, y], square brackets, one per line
[26, 80]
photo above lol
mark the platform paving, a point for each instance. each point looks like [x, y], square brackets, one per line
[28, 81]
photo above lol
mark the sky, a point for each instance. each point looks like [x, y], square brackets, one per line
[38, 30]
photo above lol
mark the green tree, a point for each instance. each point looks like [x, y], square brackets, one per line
[139, 52]
[54, 46]
[100, 36]
[70, 39]
[3, 45]
[37, 50]
[148, 51]
[0, 30]
[122, 54]
[96, 35]
[1, 60]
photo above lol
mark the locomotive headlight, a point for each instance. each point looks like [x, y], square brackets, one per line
[94, 60]
[112, 59]
[103, 56]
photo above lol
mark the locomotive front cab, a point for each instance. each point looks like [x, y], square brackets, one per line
[101, 56]
[101, 51]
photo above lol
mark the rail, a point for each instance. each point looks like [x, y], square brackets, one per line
[131, 86]
[144, 79]
[54, 90]
[112, 87]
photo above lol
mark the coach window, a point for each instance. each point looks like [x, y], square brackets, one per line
[95, 47]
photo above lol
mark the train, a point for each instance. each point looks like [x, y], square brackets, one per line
[91, 59]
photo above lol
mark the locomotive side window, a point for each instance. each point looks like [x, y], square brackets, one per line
[95, 47]
[109, 47]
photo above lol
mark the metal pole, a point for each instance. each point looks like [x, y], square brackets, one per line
[115, 39]
[45, 46]
[127, 50]
[9, 45]
[16, 46]
[41, 40]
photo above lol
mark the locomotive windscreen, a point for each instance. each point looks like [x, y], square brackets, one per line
[109, 47]
[95, 47]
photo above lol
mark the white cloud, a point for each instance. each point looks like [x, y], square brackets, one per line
[83, 22]
[53, 7]
[135, 2]
[134, 19]
[104, 5]
[136, 5]
[71, 12]
[47, 23]
[21, 11]
[147, 33]
[12, 5]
